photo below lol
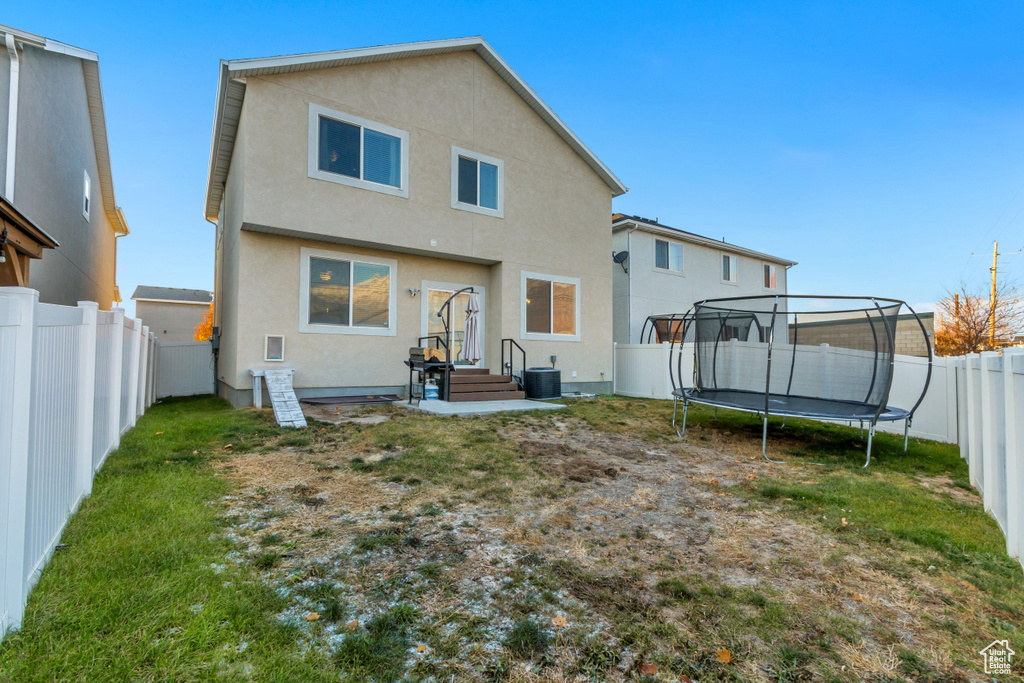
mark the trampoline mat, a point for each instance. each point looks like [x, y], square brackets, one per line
[793, 406]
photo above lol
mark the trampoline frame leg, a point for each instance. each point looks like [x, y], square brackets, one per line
[871, 436]
[906, 433]
[686, 409]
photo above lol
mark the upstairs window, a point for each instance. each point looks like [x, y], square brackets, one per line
[86, 196]
[668, 255]
[729, 268]
[353, 151]
[770, 281]
[477, 183]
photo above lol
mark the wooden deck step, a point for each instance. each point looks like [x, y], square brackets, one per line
[488, 396]
[479, 379]
[484, 386]
[470, 371]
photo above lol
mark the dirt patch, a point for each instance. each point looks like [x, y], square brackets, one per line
[565, 461]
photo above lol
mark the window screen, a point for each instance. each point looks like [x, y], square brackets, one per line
[564, 308]
[382, 161]
[488, 185]
[339, 147]
[372, 292]
[728, 268]
[467, 181]
[769, 276]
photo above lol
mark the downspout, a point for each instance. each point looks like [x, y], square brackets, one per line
[216, 343]
[12, 116]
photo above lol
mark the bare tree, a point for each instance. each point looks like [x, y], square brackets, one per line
[964, 319]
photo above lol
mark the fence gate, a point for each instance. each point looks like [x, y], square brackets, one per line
[184, 369]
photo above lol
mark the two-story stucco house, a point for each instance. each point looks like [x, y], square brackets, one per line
[56, 170]
[355, 190]
[667, 270]
[172, 313]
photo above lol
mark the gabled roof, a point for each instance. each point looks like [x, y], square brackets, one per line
[622, 221]
[97, 117]
[231, 93]
[172, 295]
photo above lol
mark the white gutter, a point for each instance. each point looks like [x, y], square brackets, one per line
[12, 117]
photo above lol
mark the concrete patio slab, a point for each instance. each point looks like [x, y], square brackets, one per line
[479, 407]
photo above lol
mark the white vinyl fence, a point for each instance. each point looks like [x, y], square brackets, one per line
[183, 369]
[992, 435]
[72, 381]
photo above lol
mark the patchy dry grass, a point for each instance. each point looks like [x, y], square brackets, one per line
[586, 544]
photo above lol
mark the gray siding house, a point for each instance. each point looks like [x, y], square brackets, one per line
[56, 165]
[668, 269]
[171, 313]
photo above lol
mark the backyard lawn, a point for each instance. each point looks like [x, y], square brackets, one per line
[585, 544]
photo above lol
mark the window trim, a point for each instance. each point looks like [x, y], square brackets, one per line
[682, 252]
[307, 253]
[548, 336]
[86, 196]
[766, 287]
[313, 151]
[734, 269]
[476, 208]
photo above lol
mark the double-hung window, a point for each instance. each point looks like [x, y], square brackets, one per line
[770, 277]
[86, 196]
[729, 268]
[668, 255]
[346, 293]
[478, 183]
[550, 307]
[353, 151]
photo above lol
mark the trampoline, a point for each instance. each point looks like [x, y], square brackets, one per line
[819, 357]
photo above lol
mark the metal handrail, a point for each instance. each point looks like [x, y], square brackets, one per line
[447, 322]
[509, 365]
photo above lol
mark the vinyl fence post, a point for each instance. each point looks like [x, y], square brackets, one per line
[976, 463]
[116, 361]
[14, 439]
[140, 379]
[85, 402]
[993, 436]
[133, 373]
[1013, 387]
[615, 364]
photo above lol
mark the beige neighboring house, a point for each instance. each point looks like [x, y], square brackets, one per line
[172, 314]
[852, 333]
[56, 170]
[355, 190]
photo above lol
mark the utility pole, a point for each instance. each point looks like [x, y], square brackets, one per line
[992, 299]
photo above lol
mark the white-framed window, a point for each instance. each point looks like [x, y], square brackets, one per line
[730, 265]
[347, 293]
[273, 348]
[770, 277]
[353, 151]
[86, 196]
[478, 183]
[668, 255]
[550, 307]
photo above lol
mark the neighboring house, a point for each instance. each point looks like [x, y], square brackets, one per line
[667, 270]
[56, 170]
[853, 333]
[172, 314]
[354, 190]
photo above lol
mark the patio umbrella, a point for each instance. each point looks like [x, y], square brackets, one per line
[471, 340]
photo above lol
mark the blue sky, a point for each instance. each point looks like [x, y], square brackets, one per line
[877, 144]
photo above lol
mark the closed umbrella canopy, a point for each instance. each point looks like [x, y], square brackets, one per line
[471, 340]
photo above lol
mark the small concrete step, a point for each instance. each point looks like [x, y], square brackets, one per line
[488, 396]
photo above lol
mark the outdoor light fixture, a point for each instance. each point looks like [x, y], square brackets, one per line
[3, 241]
[413, 291]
